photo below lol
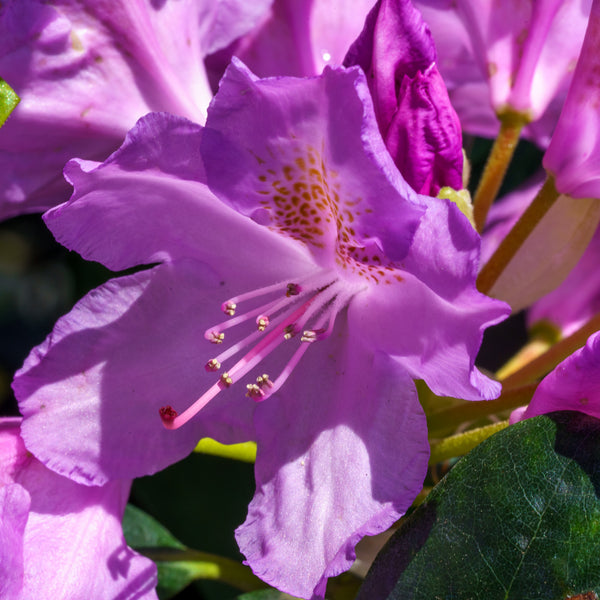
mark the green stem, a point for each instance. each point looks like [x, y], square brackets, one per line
[543, 364]
[245, 452]
[543, 336]
[462, 443]
[446, 421]
[511, 124]
[510, 245]
[208, 566]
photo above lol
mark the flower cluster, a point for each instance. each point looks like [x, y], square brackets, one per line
[283, 183]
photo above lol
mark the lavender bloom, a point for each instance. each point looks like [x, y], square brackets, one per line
[514, 55]
[338, 282]
[87, 70]
[415, 117]
[573, 385]
[574, 152]
[299, 38]
[62, 540]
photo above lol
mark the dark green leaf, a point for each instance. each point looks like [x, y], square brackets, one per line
[8, 101]
[177, 565]
[516, 519]
[143, 532]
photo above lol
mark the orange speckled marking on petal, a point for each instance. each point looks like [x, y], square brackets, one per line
[305, 200]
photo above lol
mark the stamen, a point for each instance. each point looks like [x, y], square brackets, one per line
[258, 391]
[212, 365]
[225, 379]
[229, 308]
[254, 392]
[290, 332]
[310, 335]
[266, 345]
[335, 305]
[262, 322]
[287, 370]
[324, 301]
[214, 336]
[270, 308]
[263, 381]
[325, 297]
[235, 348]
[276, 287]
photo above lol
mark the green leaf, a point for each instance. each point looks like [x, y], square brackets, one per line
[516, 519]
[143, 532]
[8, 101]
[178, 565]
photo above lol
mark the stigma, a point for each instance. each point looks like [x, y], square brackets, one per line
[286, 317]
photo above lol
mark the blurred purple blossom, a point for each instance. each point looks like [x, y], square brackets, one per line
[87, 70]
[298, 38]
[512, 55]
[573, 156]
[62, 540]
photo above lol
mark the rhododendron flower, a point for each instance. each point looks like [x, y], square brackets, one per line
[573, 385]
[512, 55]
[86, 71]
[62, 540]
[338, 284]
[417, 121]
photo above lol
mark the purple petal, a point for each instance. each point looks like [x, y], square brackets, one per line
[314, 141]
[354, 458]
[14, 510]
[72, 545]
[86, 71]
[434, 318]
[15, 502]
[220, 22]
[148, 203]
[524, 71]
[128, 348]
[573, 385]
[300, 38]
[574, 151]
[488, 63]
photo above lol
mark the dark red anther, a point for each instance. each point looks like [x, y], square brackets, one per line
[293, 289]
[167, 414]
